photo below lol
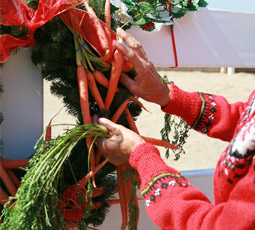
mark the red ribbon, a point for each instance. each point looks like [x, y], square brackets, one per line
[17, 13]
[174, 47]
[69, 203]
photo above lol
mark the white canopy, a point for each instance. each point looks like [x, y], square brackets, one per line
[205, 38]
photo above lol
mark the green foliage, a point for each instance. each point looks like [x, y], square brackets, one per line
[175, 131]
[37, 200]
[150, 11]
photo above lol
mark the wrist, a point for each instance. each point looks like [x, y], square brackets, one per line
[164, 99]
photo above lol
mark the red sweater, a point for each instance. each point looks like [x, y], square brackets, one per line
[171, 202]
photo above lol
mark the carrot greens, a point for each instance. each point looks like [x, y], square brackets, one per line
[35, 203]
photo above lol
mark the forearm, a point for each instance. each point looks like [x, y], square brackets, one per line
[172, 203]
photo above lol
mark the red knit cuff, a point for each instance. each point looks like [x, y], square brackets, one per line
[183, 104]
[147, 161]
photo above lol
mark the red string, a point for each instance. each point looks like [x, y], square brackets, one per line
[174, 48]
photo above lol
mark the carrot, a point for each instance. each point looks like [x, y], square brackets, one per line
[13, 177]
[117, 64]
[84, 101]
[89, 8]
[98, 192]
[131, 121]
[14, 164]
[84, 94]
[3, 197]
[108, 13]
[94, 90]
[159, 142]
[98, 156]
[48, 130]
[84, 180]
[119, 111]
[101, 79]
[127, 67]
[7, 181]
[135, 100]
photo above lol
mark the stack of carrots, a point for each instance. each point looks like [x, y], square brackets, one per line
[88, 81]
[8, 177]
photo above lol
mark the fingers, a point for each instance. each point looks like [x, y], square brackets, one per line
[132, 43]
[131, 55]
[111, 126]
[128, 82]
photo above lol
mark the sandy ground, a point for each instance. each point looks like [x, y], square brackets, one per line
[201, 152]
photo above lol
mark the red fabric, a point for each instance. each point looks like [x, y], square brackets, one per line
[17, 13]
[69, 203]
[95, 32]
[172, 203]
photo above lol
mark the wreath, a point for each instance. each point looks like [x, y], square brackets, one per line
[67, 183]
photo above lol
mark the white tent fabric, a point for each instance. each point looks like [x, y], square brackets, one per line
[207, 38]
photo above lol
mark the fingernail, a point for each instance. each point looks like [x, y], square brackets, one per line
[101, 120]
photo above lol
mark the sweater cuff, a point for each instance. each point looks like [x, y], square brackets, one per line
[183, 104]
[147, 161]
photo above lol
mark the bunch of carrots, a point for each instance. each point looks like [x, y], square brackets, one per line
[88, 81]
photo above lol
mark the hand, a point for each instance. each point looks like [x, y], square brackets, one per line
[147, 84]
[122, 143]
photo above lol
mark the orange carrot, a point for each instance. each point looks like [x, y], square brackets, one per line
[84, 101]
[13, 177]
[84, 94]
[108, 13]
[89, 8]
[3, 197]
[98, 156]
[101, 79]
[131, 121]
[14, 164]
[159, 142]
[117, 64]
[119, 111]
[83, 182]
[7, 181]
[48, 130]
[94, 90]
[135, 100]
[127, 67]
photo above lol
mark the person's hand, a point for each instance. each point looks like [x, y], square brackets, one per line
[147, 84]
[119, 147]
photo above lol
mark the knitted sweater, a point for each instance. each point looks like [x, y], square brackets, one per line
[171, 202]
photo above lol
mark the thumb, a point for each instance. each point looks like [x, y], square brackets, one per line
[127, 81]
[111, 126]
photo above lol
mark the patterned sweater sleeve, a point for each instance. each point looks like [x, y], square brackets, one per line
[172, 203]
[206, 113]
